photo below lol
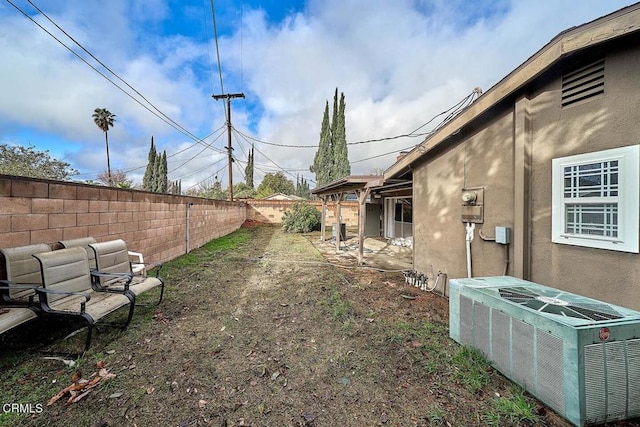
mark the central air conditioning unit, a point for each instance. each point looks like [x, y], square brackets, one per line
[579, 356]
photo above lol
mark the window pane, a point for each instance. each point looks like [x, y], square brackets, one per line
[593, 219]
[598, 179]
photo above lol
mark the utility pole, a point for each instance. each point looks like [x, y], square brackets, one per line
[228, 97]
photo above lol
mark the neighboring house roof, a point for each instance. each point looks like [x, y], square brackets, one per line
[617, 24]
[282, 196]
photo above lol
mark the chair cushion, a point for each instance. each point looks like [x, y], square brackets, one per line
[65, 270]
[100, 304]
[12, 317]
[21, 267]
[82, 242]
[138, 285]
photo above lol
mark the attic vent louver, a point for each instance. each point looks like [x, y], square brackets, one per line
[583, 82]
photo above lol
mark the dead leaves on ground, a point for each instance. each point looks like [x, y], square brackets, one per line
[80, 387]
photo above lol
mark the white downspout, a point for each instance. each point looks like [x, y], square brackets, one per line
[469, 227]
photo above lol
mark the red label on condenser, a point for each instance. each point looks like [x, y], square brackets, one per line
[604, 334]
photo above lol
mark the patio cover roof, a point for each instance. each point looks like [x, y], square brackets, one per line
[348, 184]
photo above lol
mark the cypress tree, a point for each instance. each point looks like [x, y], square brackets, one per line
[248, 171]
[334, 128]
[162, 175]
[148, 181]
[323, 160]
[341, 166]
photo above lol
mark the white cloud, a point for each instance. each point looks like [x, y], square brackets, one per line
[398, 63]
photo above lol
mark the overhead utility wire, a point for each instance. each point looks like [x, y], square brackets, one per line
[207, 145]
[207, 166]
[316, 146]
[457, 107]
[197, 154]
[453, 111]
[277, 165]
[207, 178]
[206, 37]
[164, 117]
[215, 36]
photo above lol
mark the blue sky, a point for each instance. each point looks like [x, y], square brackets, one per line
[398, 63]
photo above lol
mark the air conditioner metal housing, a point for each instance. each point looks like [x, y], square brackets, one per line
[579, 356]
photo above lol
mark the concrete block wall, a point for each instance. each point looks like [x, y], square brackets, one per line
[271, 211]
[42, 211]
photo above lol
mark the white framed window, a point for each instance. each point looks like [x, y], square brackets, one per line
[596, 199]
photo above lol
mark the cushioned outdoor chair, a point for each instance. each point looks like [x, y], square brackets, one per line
[11, 317]
[82, 242]
[136, 258]
[67, 290]
[112, 257]
[22, 272]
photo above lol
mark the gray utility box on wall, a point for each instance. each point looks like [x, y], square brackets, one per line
[503, 235]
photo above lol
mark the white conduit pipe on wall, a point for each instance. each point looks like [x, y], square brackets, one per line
[469, 227]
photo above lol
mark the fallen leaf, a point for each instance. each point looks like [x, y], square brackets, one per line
[202, 404]
[115, 395]
[104, 373]
[76, 376]
[82, 395]
[99, 364]
[150, 390]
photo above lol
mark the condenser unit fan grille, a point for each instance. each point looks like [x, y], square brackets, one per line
[554, 304]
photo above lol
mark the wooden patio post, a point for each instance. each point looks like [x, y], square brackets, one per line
[338, 226]
[362, 198]
[323, 221]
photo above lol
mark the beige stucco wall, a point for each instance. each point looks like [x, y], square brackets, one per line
[609, 121]
[485, 158]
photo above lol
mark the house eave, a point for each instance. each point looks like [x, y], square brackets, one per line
[617, 24]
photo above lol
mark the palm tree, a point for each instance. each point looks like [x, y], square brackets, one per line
[104, 119]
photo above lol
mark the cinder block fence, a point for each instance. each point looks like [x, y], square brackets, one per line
[161, 226]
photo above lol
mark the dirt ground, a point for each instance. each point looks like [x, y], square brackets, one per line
[268, 333]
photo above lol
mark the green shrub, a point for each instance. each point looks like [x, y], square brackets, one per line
[302, 218]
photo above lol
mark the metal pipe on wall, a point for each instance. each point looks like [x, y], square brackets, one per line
[188, 223]
[469, 227]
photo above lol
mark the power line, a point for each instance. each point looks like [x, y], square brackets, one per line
[207, 145]
[159, 115]
[452, 112]
[206, 37]
[215, 35]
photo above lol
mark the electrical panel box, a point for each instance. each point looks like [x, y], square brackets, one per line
[503, 235]
[473, 205]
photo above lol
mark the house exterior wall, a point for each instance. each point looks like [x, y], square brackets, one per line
[488, 157]
[608, 121]
[484, 159]
[40, 211]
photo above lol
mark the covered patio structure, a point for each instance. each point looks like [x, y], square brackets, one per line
[367, 188]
